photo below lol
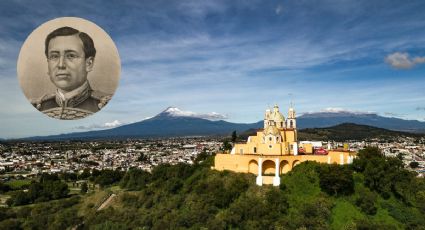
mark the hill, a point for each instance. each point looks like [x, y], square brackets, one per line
[373, 193]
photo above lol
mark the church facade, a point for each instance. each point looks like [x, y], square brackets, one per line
[274, 150]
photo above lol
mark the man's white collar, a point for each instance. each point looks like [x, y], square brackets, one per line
[68, 95]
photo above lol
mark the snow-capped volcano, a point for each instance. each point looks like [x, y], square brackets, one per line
[176, 112]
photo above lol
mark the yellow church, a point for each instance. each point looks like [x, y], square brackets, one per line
[275, 150]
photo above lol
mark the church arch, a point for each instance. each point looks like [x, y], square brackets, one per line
[269, 167]
[253, 167]
[296, 162]
[284, 167]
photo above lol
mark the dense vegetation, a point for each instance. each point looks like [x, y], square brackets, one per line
[50, 187]
[373, 193]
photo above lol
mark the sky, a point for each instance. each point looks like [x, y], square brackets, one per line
[233, 59]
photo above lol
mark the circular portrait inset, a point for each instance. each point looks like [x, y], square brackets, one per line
[68, 68]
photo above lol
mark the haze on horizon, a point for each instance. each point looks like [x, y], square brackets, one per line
[233, 58]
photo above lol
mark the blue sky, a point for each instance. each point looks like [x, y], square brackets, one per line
[234, 58]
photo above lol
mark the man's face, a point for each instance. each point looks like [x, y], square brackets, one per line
[68, 66]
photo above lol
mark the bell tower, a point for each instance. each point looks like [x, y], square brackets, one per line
[291, 122]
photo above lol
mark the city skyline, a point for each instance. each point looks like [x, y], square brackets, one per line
[233, 58]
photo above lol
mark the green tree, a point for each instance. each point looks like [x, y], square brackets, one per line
[12, 224]
[336, 179]
[376, 177]
[142, 158]
[58, 190]
[35, 191]
[85, 174]
[420, 201]
[234, 136]
[48, 177]
[94, 174]
[201, 156]
[4, 187]
[226, 145]
[414, 164]
[277, 201]
[6, 213]
[165, 171]
[386, 175]
[366, 224]
[366, 201]
[364, 156]
[84, 188]
[108, 177]
[135, 179]
[68, 176]
[314, 215]
[18, 198]
[49, 187]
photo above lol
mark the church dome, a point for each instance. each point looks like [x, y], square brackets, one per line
[278, 117]
[271, 129]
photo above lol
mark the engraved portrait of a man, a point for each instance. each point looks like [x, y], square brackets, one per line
[70, 56]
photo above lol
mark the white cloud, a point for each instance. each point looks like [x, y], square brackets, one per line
[397, 115]
[399, 60]
[213, 116]
[403, 60]
[106, 125]
[334, 110]
[419, 60]
[339, 110]
[279, 9]
[201, 8]
[113, 124]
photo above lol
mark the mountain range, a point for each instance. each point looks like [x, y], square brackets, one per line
[174, 122]
[327, 119]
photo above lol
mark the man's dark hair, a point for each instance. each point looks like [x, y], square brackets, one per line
[88, 45]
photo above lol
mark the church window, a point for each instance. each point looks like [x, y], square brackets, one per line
[270, 146]
[291, 124]
[255, 149]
